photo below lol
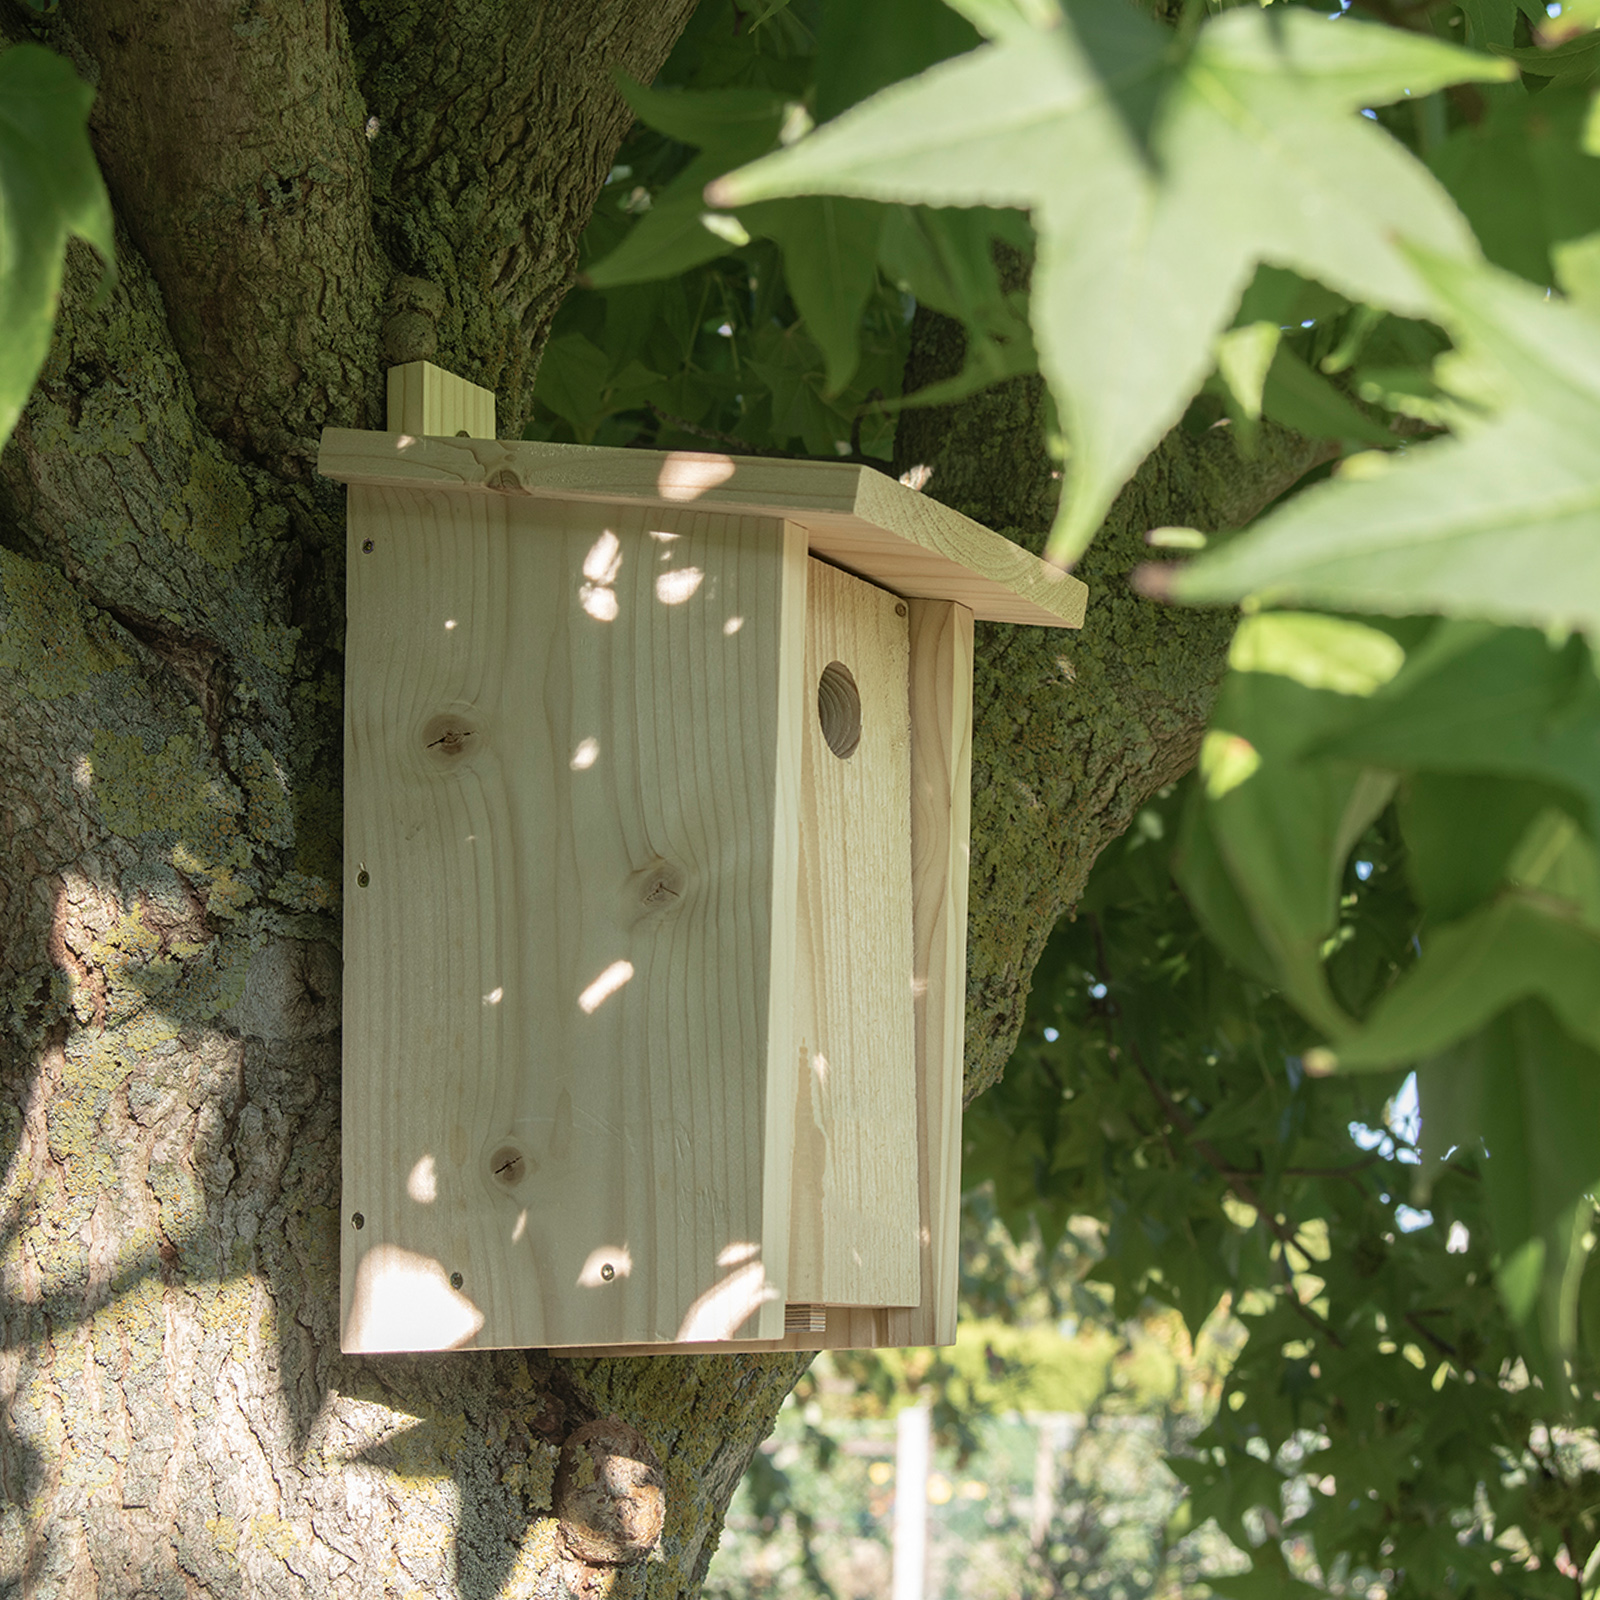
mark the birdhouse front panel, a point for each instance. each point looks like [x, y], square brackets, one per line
[854, 1228]
[572, 775]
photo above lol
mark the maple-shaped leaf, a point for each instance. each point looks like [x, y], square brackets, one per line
[1502, 521]
[1159, 175]
[50, 189]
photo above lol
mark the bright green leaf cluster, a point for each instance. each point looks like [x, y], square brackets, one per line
[1159, 172]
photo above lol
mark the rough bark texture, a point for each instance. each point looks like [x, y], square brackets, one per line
[306, 192]
[1072, 732]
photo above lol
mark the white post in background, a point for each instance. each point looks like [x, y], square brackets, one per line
[913, 1447]
[1054, 1434]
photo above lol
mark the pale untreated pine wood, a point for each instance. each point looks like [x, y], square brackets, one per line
[571, 868]
[425, 399]
[941, 823]
[854, 516]
[853, 1223]
[940, 639]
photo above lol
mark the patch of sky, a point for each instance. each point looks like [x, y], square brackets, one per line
[1401, 1136]
[1051, 1035]
[1097, 991]
[1363, 870]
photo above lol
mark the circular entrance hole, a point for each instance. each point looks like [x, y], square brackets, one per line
[839, 709]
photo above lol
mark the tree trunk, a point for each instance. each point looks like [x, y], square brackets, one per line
[305, 193]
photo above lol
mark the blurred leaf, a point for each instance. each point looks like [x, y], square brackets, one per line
[1522, 179]
[1532, 1093]
[1460, 832]
[1502, 522]
[1137, 271]
[1494, 22]
[50, 191]
[1474, 698]
[1521, 945]
[864, 48]
[1572, 62]
[1304, 400]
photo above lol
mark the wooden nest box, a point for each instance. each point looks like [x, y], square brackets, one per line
[656, 805]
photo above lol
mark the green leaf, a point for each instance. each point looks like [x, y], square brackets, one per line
[1156, 185]
[1576, 263]
[1283, 826]
[1460, 832]
[1500, 522]
[1304, 400]
[864, 48]
[1494, 22]
[1478, 699]
[1522, 179]
[728, 126]
[1244, 356]
[50, 191]
[1571, 62]
[1532, 1094]
[1319, 652]
[1521, 946]
[830, 261]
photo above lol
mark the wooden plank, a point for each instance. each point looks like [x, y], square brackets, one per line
[571, 867]
[941, 785]
[941, 819]
[425, 399]
[854, 516]
[853, 1220]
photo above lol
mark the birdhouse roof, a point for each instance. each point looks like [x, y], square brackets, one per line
[859, 518]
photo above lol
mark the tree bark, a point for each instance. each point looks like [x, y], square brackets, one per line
[306, 192]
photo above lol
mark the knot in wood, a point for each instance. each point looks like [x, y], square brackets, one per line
[609, 1494]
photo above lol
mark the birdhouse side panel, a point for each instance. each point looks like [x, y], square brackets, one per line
[854, 1232]
[570, 879]
[941, 827]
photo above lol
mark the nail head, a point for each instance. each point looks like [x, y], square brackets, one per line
[455, 1280]
[358, 1221]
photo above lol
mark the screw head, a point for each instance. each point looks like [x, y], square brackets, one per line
[900, 608]
[363, 878]
[358, 1221]
[455, 1280]
[608, 1272]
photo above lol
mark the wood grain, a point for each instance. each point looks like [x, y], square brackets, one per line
[941, 818]
[856, 517]
[571, 867]
[853, 1223]
[940, 641]
[425, 399]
